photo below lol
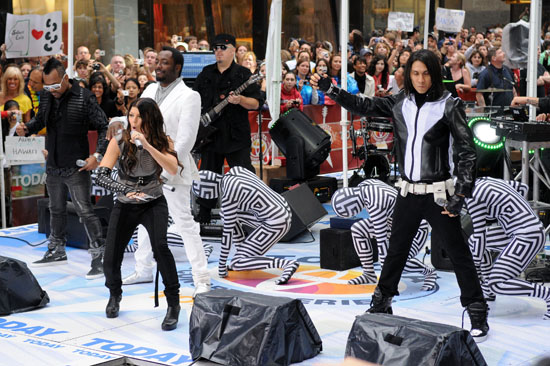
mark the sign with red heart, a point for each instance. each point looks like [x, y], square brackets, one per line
[32, 35]
[37, 34]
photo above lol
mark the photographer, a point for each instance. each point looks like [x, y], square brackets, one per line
[99, 67]
[290, 96]
[127, 96]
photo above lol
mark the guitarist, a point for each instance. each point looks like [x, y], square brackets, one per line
[232, 139]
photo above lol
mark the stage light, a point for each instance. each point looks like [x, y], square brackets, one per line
[484, 135]
[304, 144]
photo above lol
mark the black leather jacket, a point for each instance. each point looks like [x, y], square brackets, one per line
[423, 135]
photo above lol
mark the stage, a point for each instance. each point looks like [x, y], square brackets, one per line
[73, 330]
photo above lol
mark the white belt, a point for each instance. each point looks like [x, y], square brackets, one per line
[439, 189]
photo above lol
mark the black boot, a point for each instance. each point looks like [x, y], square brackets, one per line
[113, 306]
[170, 321]
[478, 312]
[380, 303]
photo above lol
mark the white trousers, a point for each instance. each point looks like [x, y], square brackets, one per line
[179, 208]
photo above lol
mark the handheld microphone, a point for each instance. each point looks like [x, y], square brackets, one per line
[80, 163]
[138, 143]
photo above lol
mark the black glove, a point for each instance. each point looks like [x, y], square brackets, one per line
[324, 84]
[454, 204]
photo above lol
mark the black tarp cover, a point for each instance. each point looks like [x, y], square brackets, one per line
[19, 290]
[393, 340]
[238, 328]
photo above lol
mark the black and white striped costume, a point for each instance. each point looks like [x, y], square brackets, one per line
[379, 200]
[246, 200]
[495, 199]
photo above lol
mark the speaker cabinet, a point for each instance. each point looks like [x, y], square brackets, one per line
[19, 289]
[232, 327]
[385, 339]
[306, 210]
[337, 251]
[76, 233]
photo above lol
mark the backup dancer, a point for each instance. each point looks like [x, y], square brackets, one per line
[246, 200]
[378, 199]
[495, 199]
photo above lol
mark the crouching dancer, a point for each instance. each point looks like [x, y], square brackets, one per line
[246, 200]
[142, 153]
[379, 200]
[518, 238]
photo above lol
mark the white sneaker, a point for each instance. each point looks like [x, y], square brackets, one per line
[137, 278]
[200, 288]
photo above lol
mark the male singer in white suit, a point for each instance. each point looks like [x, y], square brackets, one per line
[180, 107]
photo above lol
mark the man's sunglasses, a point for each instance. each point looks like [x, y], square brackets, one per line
[222, 47]
[54, 86]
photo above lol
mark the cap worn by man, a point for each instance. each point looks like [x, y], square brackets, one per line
[224, 38]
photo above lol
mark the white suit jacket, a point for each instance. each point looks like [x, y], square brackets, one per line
[181, 110]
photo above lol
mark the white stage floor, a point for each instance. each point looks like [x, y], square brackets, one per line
[73, 330]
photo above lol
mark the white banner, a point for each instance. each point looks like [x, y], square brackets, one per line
[449, 20]
[25, 150]
[33, 35]
[400, 21]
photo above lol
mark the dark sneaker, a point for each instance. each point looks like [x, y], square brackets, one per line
[478, 312]
[380, 303]
[51, 257]
[97, 269]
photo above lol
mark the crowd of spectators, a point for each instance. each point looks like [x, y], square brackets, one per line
[470, 59]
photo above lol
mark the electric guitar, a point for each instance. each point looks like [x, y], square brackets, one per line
[205, 127]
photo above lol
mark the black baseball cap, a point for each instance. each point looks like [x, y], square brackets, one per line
[224, 38]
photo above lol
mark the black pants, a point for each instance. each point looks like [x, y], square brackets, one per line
[124, 219]
[408, 213]
[214, 161]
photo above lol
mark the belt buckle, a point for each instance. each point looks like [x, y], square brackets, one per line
[140, 180]
[420, 188]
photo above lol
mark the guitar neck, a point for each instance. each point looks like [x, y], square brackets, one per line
[223, 103]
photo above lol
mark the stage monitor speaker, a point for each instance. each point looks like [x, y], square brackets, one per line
[76, 233]
[322, 187]
[232, 327]
[337, 251]
[306, 210]
[440, 259]
[19, 289]
[386, 339]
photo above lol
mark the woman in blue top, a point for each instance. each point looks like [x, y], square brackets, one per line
[335, 70]
[309, 95]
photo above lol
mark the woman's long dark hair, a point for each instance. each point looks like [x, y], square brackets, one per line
[371, 70]
[433, 65]
[152, 125]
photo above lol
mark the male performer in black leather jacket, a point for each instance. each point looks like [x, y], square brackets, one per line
[426, 120]
[68, 112]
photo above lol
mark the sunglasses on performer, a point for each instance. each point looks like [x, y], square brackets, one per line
[54, 86]
[222, 47]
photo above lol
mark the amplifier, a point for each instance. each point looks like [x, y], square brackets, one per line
[531, 131]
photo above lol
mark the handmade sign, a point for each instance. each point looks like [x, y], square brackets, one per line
[33, 35]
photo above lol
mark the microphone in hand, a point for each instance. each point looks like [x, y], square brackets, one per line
[137, 142]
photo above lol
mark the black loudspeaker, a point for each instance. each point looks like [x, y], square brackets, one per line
[306, 210]
[386, 339]
[337, 251]
[439, 257]
[19, 290]
[76, 233]
[322, 187]
[231, 327]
